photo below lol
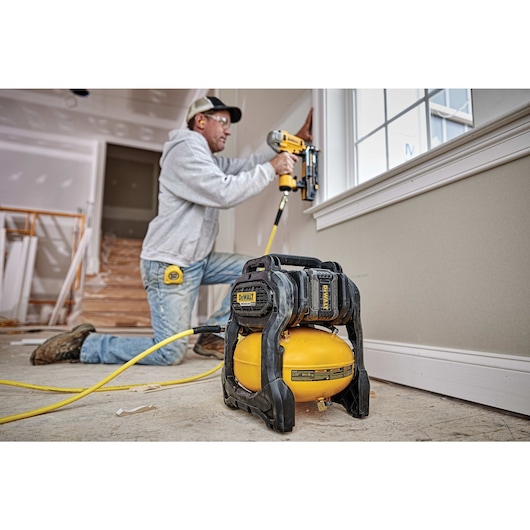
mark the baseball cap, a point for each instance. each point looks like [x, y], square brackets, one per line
[212, 103]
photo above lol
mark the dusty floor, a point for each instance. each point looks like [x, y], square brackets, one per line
[196, 411]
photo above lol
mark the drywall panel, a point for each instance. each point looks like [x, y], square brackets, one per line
[27, 269]
[13, 277]
[34, 180]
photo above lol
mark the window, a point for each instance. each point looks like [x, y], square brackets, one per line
[392, 126]
[430, 121]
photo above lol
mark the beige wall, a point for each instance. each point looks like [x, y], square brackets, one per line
[489, 103]
[449, 268]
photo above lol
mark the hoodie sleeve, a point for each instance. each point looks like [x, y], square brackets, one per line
[191, 172]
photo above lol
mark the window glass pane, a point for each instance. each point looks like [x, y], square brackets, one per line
[459, 100]
[371, 157]
[407, 136]
[437, 132]
[369, 110]
[398, 99]
[440, 98]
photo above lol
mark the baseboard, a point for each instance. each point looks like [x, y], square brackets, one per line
[495, 380]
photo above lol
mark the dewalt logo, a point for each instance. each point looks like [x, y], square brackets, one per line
[325, 297]
[246, 298]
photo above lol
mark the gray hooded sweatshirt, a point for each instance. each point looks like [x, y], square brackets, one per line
[194, 185]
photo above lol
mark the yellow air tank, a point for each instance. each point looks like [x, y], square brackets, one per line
[316, 363]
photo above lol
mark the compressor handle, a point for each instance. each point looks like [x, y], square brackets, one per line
[274, 261]
[298, 261]
[268, 262]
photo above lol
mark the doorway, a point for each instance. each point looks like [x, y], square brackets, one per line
[130, 191]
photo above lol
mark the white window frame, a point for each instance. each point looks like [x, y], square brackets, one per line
[473, 152]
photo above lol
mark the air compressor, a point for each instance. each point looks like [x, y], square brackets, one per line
[281, 342]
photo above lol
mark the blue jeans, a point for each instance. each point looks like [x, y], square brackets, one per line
[171, 308]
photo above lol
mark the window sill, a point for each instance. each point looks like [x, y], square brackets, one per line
[489, 146]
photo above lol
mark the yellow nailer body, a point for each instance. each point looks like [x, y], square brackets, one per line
[283, 142]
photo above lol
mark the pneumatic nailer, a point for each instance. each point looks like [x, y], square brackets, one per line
[281, 142]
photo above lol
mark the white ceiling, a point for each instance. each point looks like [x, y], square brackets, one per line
[136, 117]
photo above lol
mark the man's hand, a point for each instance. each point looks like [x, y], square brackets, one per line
[306, 132]
[283, 163]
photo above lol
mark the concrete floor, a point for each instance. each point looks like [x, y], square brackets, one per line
[310, 485]
[196, 411]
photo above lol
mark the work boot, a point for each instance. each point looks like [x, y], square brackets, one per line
[63, 347]
[210, 345]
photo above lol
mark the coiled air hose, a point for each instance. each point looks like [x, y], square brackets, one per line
[81, 393]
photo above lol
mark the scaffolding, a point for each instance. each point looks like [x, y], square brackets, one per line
[18, 230]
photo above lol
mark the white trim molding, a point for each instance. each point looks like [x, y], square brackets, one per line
[486, 147]
[495, 380]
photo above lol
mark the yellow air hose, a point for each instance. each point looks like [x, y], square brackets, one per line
[85, 392]
[283, 202]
